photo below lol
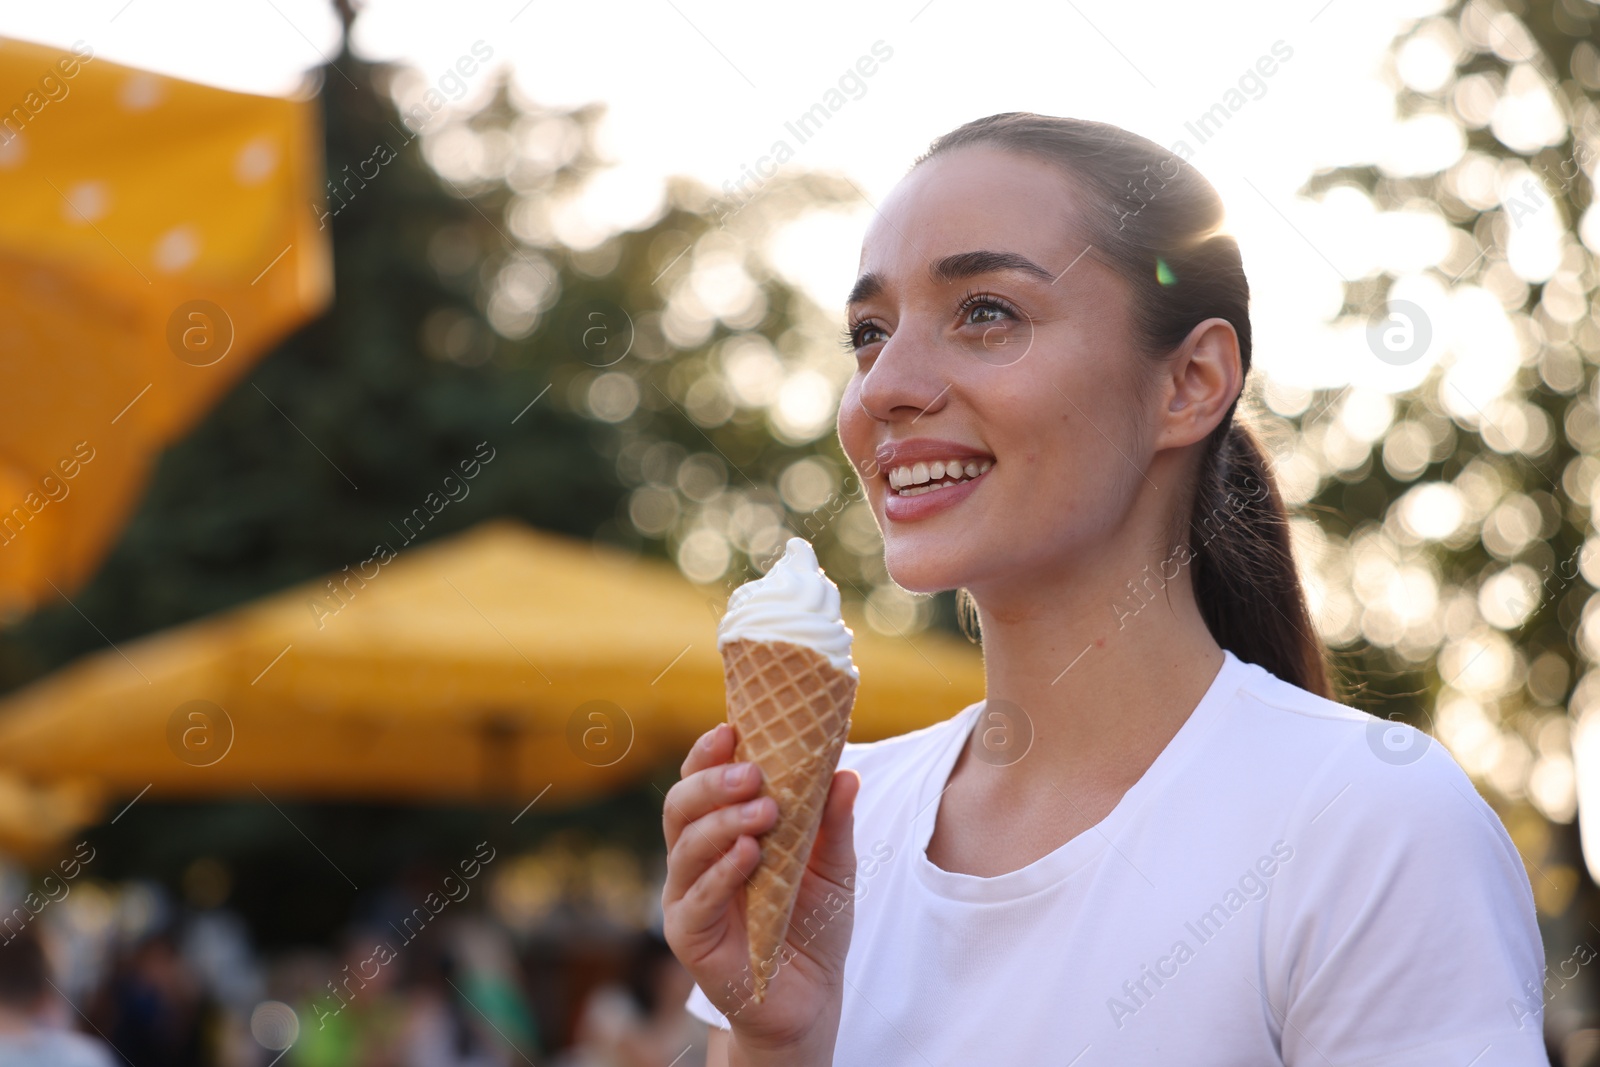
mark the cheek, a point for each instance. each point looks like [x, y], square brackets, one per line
[1087, 400]
[855, 427]
[1022, 416]
[1058, 428]
[859, 436]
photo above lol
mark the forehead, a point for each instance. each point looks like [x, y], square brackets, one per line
[976, 197]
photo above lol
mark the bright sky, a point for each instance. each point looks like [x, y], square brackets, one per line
[704, 87]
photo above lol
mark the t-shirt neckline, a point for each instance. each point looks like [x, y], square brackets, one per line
[1071, 856]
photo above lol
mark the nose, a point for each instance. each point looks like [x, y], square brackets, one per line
[904, 382]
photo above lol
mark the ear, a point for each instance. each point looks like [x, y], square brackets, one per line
[1203, 379]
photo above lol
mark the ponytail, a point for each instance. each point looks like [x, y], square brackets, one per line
[1159, 226]
[1245, 579]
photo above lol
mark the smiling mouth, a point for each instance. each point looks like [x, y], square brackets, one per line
[918, 478]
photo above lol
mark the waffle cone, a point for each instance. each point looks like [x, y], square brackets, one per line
[790, 710]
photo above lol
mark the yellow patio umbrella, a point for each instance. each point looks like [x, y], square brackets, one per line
[158, 236]
[493, 666]
[33, 819]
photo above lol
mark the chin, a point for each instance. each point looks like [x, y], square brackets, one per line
[922, 568]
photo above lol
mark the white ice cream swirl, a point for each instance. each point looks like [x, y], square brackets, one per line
[793, 602]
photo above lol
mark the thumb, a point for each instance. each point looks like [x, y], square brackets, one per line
[834, 854]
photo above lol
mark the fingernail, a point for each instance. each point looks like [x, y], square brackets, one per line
[751, 809]
[735, 774]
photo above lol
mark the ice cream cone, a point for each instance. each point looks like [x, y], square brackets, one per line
[790, 709]
[791, 685]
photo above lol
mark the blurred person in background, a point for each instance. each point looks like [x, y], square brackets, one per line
[153, 1009]
[639, 1022]
[29, 1036]
[216, 948]
[440, 1029]
[355, 1019]
[490, 981]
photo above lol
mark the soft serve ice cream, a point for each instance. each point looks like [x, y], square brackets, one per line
[794, 602]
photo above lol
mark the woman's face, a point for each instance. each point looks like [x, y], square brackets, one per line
[994, 359]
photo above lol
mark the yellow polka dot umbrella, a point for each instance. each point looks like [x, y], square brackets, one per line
[489, 667]
[158, 237]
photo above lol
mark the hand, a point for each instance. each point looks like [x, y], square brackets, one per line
[711, 819]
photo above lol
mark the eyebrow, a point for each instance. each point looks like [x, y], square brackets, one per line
[954, 268]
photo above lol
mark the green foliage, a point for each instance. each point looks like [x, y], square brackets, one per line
[1496, 666]
[1532, 446]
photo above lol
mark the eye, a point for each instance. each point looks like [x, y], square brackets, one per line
[984, 309]
[861, 334]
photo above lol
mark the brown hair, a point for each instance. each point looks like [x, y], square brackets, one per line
[1160, 229]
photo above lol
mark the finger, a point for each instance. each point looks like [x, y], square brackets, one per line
[707, 840]
[714, 746]
[708, 899]
[704, 792]
[834, 855]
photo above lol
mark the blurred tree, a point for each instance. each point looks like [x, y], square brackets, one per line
[1456, 541]
[661, 388]
[657, 385]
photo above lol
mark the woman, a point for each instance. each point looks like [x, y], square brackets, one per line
[1158, 840]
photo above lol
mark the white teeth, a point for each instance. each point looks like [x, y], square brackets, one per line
[926, 477]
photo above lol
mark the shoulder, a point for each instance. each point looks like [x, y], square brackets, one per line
[1293, 710]
[894, 779]
[905, 753]
[1380, 778]
[1401, 877]
[1385, 826]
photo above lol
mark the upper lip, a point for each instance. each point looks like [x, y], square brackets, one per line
[892, 454]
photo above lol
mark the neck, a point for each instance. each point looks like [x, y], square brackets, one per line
[1106, 663]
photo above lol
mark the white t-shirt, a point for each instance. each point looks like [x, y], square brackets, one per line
[1291, 882]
